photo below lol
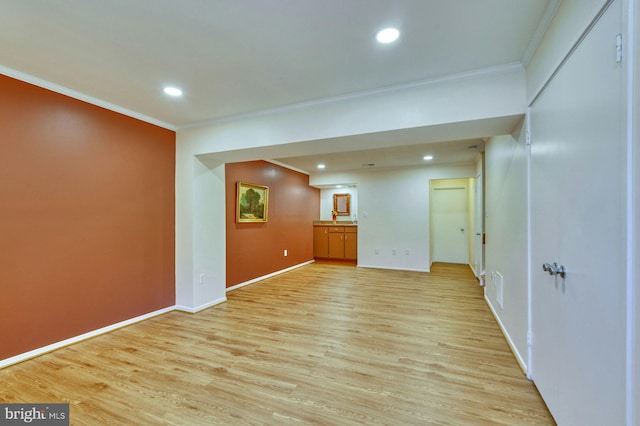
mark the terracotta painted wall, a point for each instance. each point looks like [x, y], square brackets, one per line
[87, 217]
[256, 249]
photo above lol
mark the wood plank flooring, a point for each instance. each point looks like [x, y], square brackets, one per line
[326, 344]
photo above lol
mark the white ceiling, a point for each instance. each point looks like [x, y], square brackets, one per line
[463, 151]
[234, 57]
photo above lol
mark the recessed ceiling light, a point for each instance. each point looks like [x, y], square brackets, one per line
[388, 35]
[172, 91]
[338, 186]
[428, 157]
[321, 166]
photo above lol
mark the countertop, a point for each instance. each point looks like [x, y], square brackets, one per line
[330, 223]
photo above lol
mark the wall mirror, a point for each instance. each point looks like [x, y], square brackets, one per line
[342, 204]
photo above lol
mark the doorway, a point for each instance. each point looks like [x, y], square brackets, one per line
[449, 221]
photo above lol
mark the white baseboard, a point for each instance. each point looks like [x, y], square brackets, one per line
[394, 268]
[273, 274]
[475, 273]
[52, 347]
[512, 346]
[201, 307]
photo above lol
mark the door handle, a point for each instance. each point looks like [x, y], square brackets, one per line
[555, 269]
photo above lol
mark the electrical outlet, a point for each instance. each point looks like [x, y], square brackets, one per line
[407, 252]
[201, 278]
[393, 252]
[377, 251]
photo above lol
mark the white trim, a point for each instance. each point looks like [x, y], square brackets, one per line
[475, 274]
[541, 29]
[52, 347]
[287, 166]
[529, 254]
[393, 268]
[629, 51]
[264, 277]
[514, 350]
[82, 97]
[201, 307]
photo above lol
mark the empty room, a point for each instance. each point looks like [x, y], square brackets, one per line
[325, 212]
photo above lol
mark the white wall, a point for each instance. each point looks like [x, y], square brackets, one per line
[393, 213]
[472, 97]
[506, 233]
[326, 202]
[200, 249]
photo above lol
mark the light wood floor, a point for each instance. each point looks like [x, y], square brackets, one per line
[323, 344]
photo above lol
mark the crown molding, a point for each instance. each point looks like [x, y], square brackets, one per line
[18, 75]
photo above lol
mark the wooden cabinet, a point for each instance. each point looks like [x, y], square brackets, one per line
[351, 242]
[335, 242]
[321, 241]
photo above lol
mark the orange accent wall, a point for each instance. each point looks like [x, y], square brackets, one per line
[87, 222]
[257, 249]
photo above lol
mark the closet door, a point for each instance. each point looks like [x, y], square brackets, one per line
[577, 219]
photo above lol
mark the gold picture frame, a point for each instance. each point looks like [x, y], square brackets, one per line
[342, 204]
[252, 203]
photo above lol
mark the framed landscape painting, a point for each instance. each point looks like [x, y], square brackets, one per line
[253, 203]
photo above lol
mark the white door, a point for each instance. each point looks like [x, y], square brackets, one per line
[449, 219]
[577, 211]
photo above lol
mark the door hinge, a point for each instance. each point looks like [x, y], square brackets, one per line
[529, 339]
[527, 138]
[619, 48]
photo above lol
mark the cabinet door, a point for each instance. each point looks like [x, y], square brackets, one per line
[321, 241]
[350, 244]
[336, 245]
